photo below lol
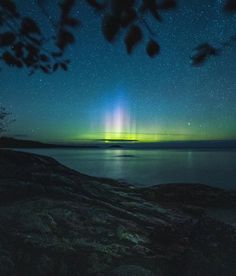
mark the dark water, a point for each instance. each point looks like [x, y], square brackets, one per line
[150, 167]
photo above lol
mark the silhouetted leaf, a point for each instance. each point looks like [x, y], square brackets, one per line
[230, 6]
[29, 61]
[128, 17]
[202, 53]
[153, 48]
[66, 6]
[7, 39]
[8, 58]
[29, 26]
[96, 4]
[33, 50]
[18, 49]
[110, 27]
[156, 14]
[65, 38]
[34, 40]
[11, 60]
[44, 69]
[133, 36]
[18, 63]
[72, 22]
[9, 6]
[120, 6]
[32, 57]
[167, 4]
[152, 7]
[64, 66]
[44, 58]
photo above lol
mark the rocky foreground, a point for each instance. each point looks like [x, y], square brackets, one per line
[56, 221]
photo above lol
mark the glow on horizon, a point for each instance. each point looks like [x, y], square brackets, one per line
[119, 124]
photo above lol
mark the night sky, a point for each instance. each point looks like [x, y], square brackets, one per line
[107, 94]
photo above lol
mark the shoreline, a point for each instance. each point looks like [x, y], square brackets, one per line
[56, 221]
[8, 142]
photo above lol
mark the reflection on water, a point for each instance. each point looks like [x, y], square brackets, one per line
[150, 167]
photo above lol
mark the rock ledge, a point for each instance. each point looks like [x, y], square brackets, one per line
[56, 221]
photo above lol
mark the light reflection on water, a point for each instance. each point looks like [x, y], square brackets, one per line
[150, 167]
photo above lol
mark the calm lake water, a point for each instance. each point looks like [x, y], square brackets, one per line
[150, 167]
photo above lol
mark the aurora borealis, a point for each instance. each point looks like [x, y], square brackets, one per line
[108, 95]
[119, 125]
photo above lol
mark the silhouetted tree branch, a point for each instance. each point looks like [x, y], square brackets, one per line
[129, 18]
[204, 51]
[23, 43]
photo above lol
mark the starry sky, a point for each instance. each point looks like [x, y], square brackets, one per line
[107, 94]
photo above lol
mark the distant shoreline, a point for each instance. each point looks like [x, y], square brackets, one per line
[7, 142]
